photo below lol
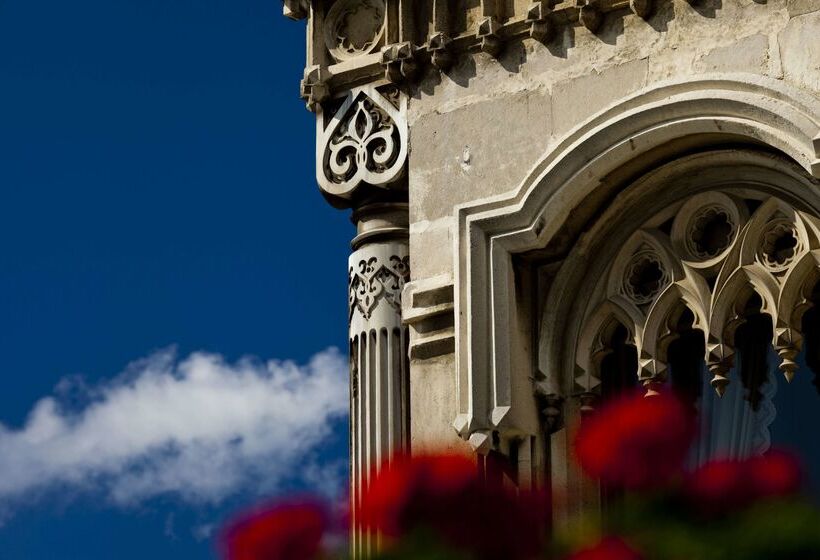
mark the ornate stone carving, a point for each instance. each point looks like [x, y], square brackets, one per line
[372, 281]
[399, 62]
[354, 27]
[779, 244]
[711, 231]
[725, 268]
[378, 270]
[365, 142]
[644, 277]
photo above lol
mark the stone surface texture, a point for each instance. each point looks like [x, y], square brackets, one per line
[541, 178]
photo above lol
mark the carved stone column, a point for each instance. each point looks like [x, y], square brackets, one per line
[361, 164]
[379, 268]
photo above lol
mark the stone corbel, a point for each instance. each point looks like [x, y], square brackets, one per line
[538, 18]
[314, 88]
[589, 14]
[399, 62]
[440, 53]
[489, 40]
[363, 144]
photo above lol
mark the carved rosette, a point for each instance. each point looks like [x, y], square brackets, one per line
[645, 276]
[364, 143]
[779, 245]
[353, 28]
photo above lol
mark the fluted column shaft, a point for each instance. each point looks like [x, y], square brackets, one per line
[378, 270]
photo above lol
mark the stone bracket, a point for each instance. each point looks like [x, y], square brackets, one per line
[363, 144]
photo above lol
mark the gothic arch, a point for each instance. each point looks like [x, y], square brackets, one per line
[633, 136]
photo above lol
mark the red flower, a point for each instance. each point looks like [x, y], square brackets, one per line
[287, 531]
[609, 548]
[718, 486]
[443, 495]
[721, 486]
[402, 490]
[775, 474]
[636, 442]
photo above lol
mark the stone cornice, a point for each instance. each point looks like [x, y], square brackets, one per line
[357, 42]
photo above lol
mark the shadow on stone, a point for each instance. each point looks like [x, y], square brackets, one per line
[663, 13]
[513, 56]
[463, 71]
[612, 28]
[564, 40]
[707, 8]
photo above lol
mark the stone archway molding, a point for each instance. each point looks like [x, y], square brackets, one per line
[745, 108]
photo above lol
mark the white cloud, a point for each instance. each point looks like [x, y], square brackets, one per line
[200, 429]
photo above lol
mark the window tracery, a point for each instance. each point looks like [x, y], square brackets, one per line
[731, 273]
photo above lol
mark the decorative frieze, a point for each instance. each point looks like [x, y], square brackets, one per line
[368, 41]
[370, 281]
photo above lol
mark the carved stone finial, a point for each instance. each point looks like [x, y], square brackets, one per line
[787, 343]
[489, 40]
[553, 412]
[589, 403]
[541, 28]
[719, 371]
[363, 143]
[589, 14]
[719, 360]
[441, 55]
[653, 387]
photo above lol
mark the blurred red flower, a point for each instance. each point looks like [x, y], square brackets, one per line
[609, 548]
[636, 442]
[775, 474]
[718, 486]
[444, 495]
[286, 531]
[724, 485]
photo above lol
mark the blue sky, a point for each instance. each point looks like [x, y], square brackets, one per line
[157, 200]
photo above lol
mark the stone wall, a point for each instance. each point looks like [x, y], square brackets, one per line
[478, 128]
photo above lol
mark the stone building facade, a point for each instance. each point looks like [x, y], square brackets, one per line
[555, 200]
